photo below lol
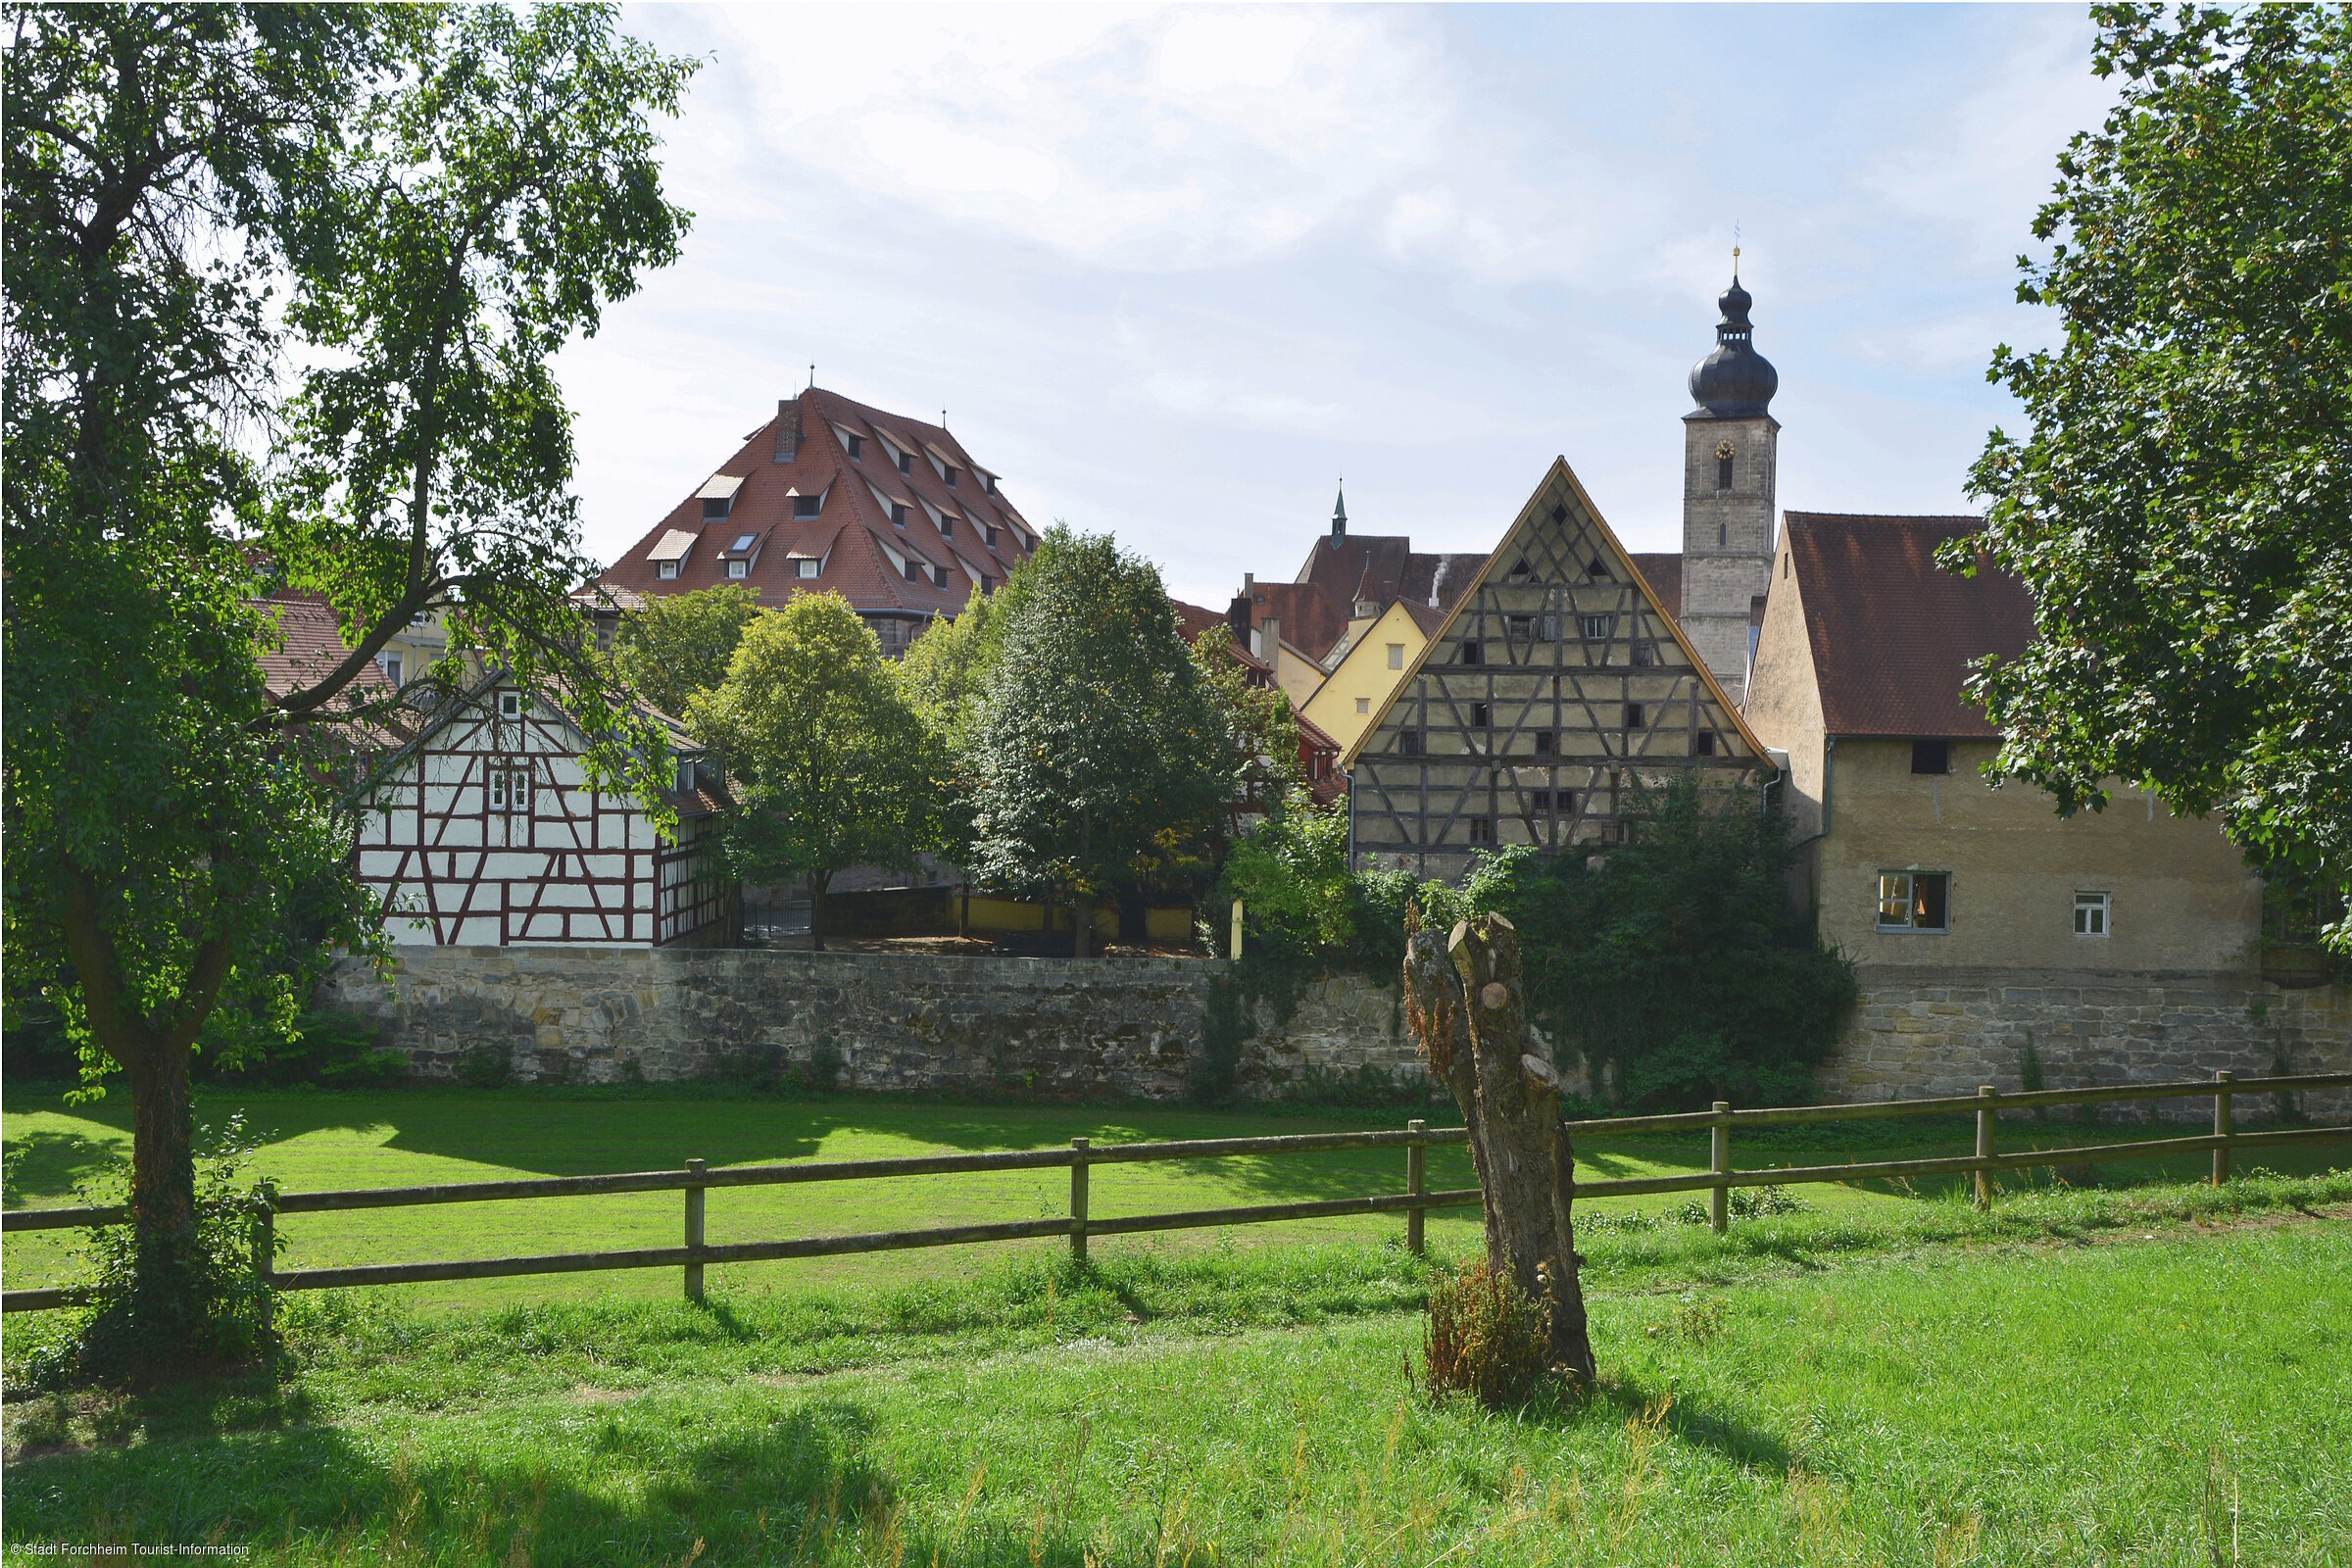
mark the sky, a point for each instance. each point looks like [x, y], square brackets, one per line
[1173, 273]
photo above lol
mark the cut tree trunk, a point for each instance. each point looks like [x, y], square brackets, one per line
[1467, 1004]
[817, 882]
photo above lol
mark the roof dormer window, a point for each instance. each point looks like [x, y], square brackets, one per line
[743, 543]
[898, 513]
[987, 534]
[950, 477]
[856, 448]
[905, 462]
[914, 574]
[947, 525]
[716, 508]
[809, 567]
[739, 569]
[666, 570]
[806, 506]
[938, 576]
[717, 495]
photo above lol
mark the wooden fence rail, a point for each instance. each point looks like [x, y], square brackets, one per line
[1416, 1138]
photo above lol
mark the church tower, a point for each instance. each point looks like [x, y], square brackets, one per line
[1730, 454]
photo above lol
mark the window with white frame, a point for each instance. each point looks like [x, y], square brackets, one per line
[1595, 629]
[509, 705]
[739, 569]
[666, 570]
[1915, 901]
[1363, 704]
[392, 668]
[808, 569]
[2094, 914]
[1396, 656]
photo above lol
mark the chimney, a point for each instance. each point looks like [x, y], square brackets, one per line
[788, 429]
[1237, 615]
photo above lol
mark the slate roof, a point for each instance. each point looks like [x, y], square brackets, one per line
[1891, 632]
[851, 534]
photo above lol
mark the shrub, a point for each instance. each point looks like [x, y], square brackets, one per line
[335, 1049]
[144, 1317]
[486, 1067]
[1486, 1339]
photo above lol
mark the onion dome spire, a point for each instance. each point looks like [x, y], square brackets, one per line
[1734, 381]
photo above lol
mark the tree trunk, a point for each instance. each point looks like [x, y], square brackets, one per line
[1467, 1006]
[163, 1159]
[817, 881]
[1082, 925]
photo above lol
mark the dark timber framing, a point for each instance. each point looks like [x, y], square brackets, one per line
[1553, 684]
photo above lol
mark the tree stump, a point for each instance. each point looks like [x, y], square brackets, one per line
[1466, 1002]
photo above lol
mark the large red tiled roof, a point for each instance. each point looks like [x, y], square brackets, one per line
[861, 552]
[311, 647]
[1663, 572]
[1893, 633]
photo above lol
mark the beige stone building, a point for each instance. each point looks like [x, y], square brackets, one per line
[2127, 942]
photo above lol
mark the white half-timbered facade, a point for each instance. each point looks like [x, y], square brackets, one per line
[1555, 682]
[484, 831]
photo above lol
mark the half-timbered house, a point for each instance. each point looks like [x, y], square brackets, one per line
[1556, 683]
[484, 829]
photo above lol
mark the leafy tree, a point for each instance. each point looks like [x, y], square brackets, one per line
[2180, 505]
[1099, 752]
[676, 645]
[282, 287]
[1264, 762]
[1672, 960]
[942, 673]
[831, 765]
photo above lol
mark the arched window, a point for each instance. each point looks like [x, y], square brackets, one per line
[1723, 472]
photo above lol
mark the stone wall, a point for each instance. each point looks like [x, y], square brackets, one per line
[1042, 1028]
[1946, 1031]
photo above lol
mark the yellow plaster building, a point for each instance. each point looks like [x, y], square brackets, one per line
[1371, 664]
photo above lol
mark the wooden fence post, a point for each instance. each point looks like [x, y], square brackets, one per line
[1719, 1201]
[265, 1246]
[1237, 931]
[2221, 1127]
[1078, 1149]
[1985, 1099]
[1416, 1183]
[694, 1233]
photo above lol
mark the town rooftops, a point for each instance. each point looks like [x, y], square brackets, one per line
[892, 512]
[1891, 632]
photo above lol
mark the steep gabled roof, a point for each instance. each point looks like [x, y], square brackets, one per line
[1510, 547]
[819, 428]
[1891, 632]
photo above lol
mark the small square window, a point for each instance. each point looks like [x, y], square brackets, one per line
[1472, 652]
[1931, 756]
[1595, 629]
[666, 570]
[809, 568]
[1633, 715]
[1396, 656]
[898, 513]
[1482, 716]
[987, 534]
[1646, 654]
[1539, 800]
[914, 574]
[988, 582]
[1408, 743]
[1546, 743]
[947, 527]
[856, 447]
[905, 462]
[1914, 900]
[497, 789]
[739, 569]
[715, 508]
[2092, 912]
[1363, 704]
[938, 576]
[808, 506]
[952, 473]
[1482, 830]
[1521, 627]
[509, 705]
[1702, 744]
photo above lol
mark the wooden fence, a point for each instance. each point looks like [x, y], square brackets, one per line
[696, 1181]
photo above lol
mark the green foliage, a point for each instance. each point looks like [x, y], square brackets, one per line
[1300, 898]
[363, 232]
[1098, 752]
[330, 1049]
[678, 645]
[1484, 1338]
[1262, 761]
[830, 766]
[2178, 507]
[486, 1067]
[1672, 962]
[942, 673]
[206, 1309]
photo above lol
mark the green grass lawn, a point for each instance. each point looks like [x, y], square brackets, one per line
[315, 1140]
[2161, 1376]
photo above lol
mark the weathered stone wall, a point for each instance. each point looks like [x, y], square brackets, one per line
[1946, 1031]
[1046, 1028]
